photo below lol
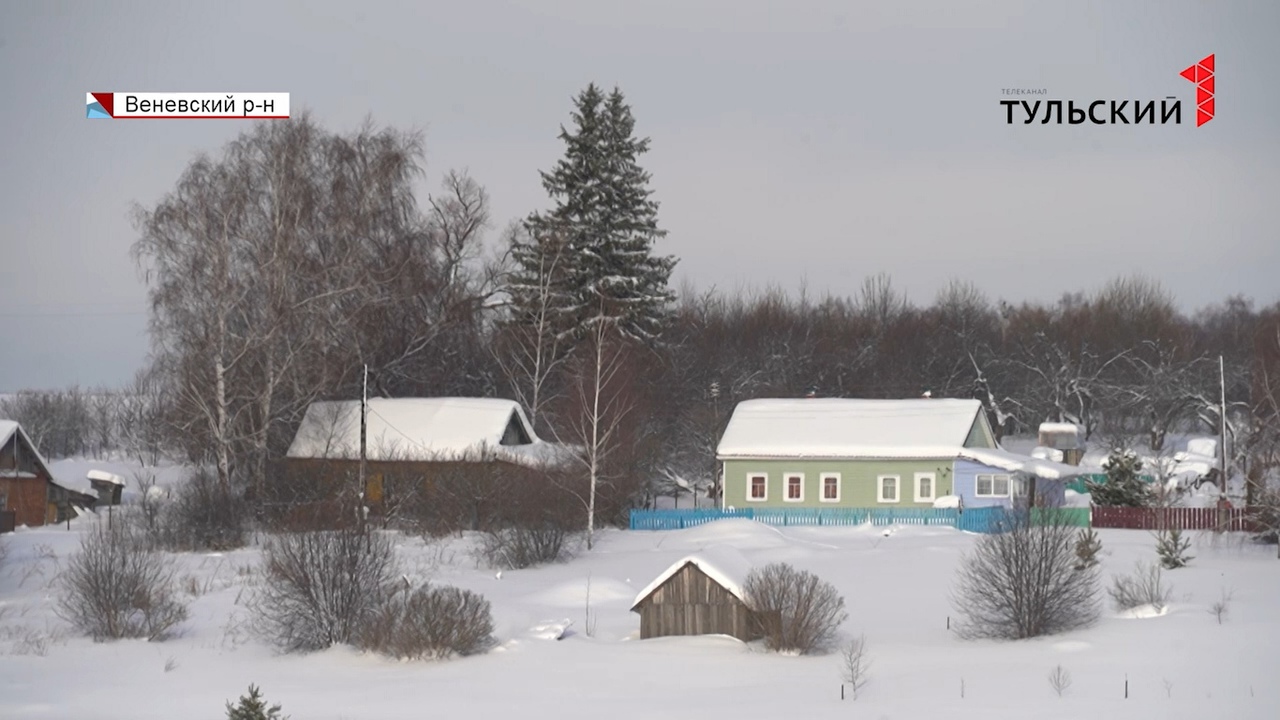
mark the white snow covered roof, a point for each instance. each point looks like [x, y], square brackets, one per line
[1202, 446]
[1013, 462]
[1060, 428]
[7, 430]
[841, 428]
[104, 476]
[721, 563]
[445, 428]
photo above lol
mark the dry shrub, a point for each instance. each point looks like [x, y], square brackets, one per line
[118, 586]
[320, 588]
[525, 545]
[430, 622]
[200, 515]
[1026, 581]
[1144, 587]
[797, 612]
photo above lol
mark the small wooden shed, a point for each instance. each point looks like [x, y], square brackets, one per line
[701, 594]
[109, 486]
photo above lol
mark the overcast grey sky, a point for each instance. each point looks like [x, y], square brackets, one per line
[793, 141]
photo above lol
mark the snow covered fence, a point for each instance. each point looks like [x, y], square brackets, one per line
[981, 520]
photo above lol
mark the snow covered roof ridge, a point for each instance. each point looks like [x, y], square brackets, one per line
[844, 427]
[722, 563]
[104, 476]
[7, 430]
[436, 428]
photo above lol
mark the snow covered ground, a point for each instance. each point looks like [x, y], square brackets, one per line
[1179, 664]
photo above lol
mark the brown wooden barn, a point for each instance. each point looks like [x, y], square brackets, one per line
[701, 594]
[28, 494]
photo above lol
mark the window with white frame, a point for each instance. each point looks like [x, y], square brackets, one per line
[794, 487]
[757, 486]
[992, 486]
[889, 488]
[831, 487]
[926, 487]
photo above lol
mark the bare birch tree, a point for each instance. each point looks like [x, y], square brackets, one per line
[529, 348]
[600, 404]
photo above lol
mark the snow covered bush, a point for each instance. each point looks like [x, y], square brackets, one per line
[117, 586]
[319, 588]
[1172, 548]
[1024, 581]
[797, 611]
[253, 707]
[430, 622]
[1144, 587]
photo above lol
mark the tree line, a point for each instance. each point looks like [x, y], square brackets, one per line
[284, 264]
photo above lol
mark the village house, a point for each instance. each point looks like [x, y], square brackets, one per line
[28, 494]
[857, 453]
[425, 447]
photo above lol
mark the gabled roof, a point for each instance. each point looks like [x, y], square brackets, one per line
[409, 429]
[10, 428]
[721, 563]
[7, 430]
[849, 428]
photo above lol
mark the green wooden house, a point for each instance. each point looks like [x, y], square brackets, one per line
[838, 452]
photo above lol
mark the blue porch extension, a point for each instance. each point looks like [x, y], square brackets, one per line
[979, 520]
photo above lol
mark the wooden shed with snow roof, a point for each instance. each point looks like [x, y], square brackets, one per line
[28, 493]
[701, 594]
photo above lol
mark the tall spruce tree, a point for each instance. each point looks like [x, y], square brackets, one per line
[607, 222]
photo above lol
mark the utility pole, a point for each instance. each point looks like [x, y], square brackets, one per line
[715, 488]
[1222, 381]
[364, 413]
[1223, 515]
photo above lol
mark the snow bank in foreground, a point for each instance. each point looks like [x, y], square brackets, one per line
[566, 654]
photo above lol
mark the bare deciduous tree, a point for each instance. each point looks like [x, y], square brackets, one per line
[855, 664]
[1059, 680]
[530, 349]
[601, 404]
[798, 611]
[1023, 581]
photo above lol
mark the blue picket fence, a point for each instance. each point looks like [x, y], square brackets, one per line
[977, 520]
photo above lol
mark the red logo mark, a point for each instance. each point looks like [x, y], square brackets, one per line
[1202, 75]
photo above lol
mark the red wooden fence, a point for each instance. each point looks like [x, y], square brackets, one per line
[1129, 518]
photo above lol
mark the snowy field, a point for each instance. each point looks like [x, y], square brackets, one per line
[1180, 664]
